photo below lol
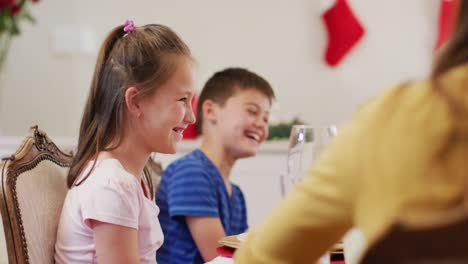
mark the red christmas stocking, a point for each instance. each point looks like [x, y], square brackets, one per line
[447, 15]
[343, 28]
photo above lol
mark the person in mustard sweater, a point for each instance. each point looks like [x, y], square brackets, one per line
[403, 156]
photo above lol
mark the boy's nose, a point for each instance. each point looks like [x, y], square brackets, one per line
[260, 122]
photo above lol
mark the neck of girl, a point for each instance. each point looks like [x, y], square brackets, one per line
[132, 159]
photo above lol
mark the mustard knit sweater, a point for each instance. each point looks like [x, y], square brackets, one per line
[391, 162]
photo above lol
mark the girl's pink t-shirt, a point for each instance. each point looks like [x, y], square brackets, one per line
[110, 195]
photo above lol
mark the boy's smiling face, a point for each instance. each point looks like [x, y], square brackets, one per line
[242, 122]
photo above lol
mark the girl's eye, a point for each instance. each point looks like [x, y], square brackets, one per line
[251, 111]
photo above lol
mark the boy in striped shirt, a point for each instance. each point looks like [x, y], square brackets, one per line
[198, 202]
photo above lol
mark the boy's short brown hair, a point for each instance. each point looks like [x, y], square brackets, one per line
[224, 84]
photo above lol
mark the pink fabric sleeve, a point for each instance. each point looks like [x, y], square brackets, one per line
[114, 201]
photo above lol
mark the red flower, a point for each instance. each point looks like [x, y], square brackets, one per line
[15, 9]
[6, 4]
[11, 13]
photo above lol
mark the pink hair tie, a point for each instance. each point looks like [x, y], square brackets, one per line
[129, 26]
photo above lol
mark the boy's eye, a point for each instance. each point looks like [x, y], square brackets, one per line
[183, 99]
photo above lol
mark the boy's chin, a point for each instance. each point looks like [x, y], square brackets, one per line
[247, 153]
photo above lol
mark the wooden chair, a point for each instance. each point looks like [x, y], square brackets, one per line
[445, 243]
[33, 189]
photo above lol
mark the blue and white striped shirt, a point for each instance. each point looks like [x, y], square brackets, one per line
[193, 186]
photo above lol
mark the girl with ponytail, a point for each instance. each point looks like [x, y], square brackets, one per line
[139, 102]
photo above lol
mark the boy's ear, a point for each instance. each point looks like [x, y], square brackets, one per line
[210, 110]
[132, 101]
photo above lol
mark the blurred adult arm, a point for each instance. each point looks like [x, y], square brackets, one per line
[317, 214]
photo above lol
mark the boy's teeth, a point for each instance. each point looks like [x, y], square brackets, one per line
[254, 136]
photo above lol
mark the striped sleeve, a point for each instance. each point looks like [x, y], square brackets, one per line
[192, 192]
[244, 225]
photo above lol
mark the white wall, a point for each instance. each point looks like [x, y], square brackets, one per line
[282, 40]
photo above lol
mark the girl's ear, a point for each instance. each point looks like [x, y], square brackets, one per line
[210, 111]
[132, 101]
